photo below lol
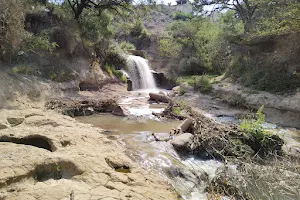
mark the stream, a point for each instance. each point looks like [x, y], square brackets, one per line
[188, 175]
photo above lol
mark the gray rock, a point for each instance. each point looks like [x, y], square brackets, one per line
[15, 121]
[162, 81]
[186, 125]
[181, 141]
[120, 111]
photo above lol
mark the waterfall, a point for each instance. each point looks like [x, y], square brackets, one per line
[140, 73]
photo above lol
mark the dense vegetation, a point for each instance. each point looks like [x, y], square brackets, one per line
[255, 42]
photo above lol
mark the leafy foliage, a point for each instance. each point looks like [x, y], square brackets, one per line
[261, 141]
[38, 45]
[183, 16]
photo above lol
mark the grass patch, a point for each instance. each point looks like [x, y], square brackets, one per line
[26, 70]
[201, 83]
[112, 72]
[178, 107]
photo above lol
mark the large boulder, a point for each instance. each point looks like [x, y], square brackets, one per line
[162, 81]
[181, 142]
[159, 97]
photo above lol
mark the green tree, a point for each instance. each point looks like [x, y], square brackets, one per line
[78, 6]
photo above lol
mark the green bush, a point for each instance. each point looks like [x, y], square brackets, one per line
[178, 107]
[260, 140]
[183, 16]
[201, 83]
[113, 72]
[191, 66]
[181, 91]
[263, 73]
[109, 69]
[38, 45]
[169, 47]
[125, 46]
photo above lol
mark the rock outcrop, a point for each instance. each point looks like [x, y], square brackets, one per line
[162, 81]
[81, 162]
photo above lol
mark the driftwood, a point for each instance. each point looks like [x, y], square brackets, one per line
[159, 97]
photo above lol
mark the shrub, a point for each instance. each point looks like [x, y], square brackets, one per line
[181, 91]
[125, 46]
[178, 107]
[169, 47]
[183, 16]
[260, 140]
[203, 84]
[113, 72]
[191, 66]
[38, 45]
[108, 69]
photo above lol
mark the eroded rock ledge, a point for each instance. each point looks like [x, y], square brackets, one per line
[83, 163]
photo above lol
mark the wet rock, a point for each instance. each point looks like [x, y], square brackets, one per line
[120, 111]
[186, 125]
[3, 126]
[14, 121]
[159, 97]
[89, 111]
[187, 180]
[129, 84]
[226, 183]
[181, 142]
[162, 81]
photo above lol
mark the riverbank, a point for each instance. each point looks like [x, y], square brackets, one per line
[46, 155]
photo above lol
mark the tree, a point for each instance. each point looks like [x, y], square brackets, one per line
[245, 9]
[78, 6]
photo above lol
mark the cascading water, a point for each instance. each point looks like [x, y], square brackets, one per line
[140, 73]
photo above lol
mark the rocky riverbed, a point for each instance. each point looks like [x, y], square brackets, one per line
[45, 155]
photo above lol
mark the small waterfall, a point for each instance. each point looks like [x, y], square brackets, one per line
[140, 73]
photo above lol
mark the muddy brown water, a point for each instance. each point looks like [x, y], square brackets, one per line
[121, 125]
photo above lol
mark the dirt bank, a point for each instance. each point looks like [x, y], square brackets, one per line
[283, 110]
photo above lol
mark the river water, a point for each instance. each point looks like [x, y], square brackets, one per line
[188, 175]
